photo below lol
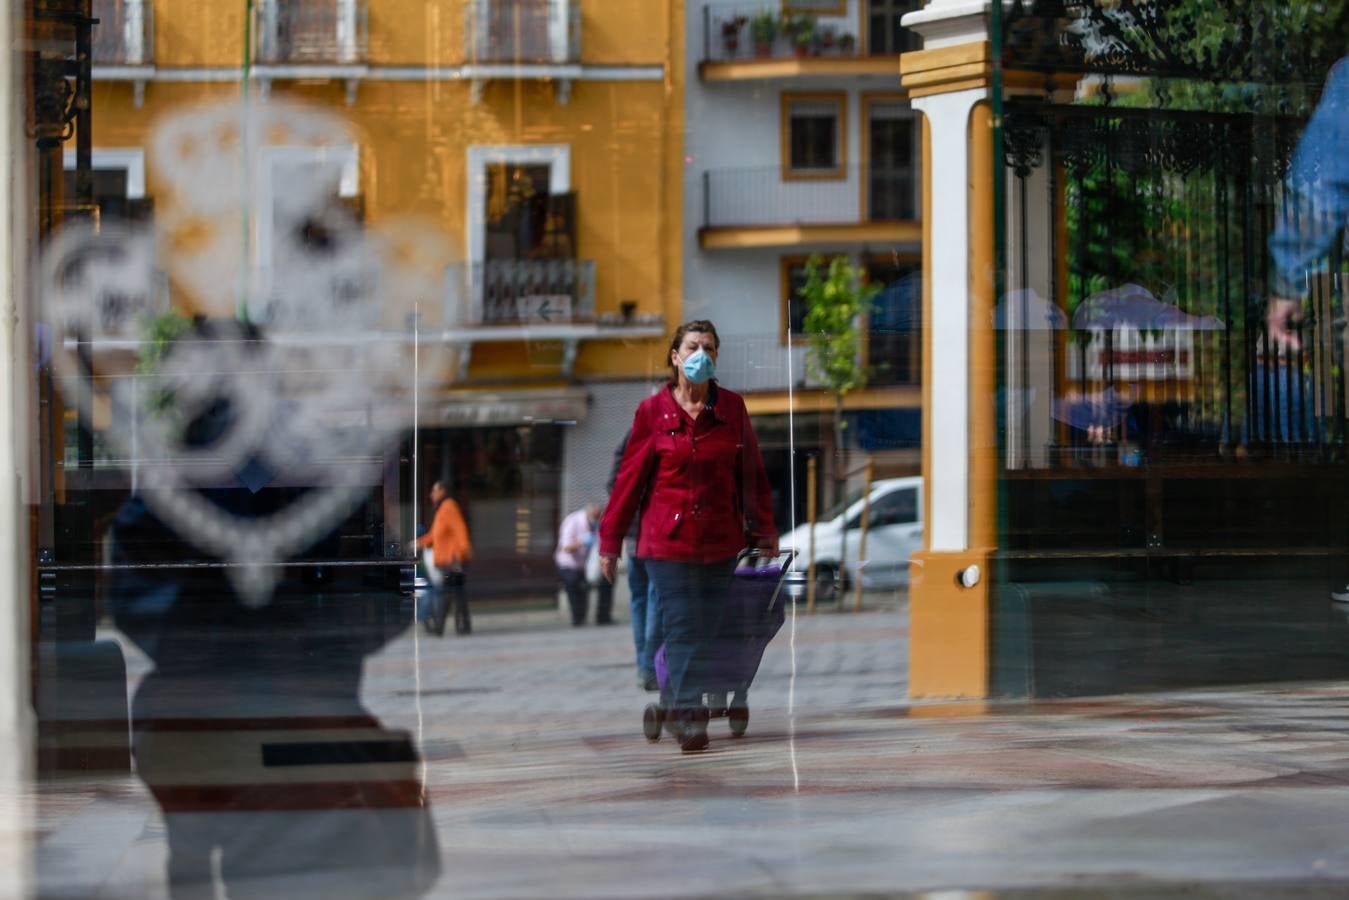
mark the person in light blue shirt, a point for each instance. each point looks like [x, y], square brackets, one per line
[1313, 216]
[1315, 209]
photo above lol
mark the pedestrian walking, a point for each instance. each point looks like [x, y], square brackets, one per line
[693, 474]
[451, 552]
[575, 538]
[647, 633]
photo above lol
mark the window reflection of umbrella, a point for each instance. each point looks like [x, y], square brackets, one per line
[1135, 306]
[1026, 310]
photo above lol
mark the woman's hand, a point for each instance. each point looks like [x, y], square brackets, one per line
[1282, 317]
[768, 546]
[609, 567]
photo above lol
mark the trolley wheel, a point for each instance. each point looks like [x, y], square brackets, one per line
[651, 722]
[737, 716]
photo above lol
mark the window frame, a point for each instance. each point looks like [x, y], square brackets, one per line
[914, 259]
[785, 266]
[839, 8]
[864, 104]
[839, 172]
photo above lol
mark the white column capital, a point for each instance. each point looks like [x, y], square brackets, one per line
[946, 23]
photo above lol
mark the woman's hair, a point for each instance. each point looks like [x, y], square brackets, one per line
[701, 326]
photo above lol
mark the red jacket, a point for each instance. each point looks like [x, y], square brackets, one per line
[701, 485]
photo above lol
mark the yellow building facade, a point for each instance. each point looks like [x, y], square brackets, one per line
[530, 149]
[422, 84]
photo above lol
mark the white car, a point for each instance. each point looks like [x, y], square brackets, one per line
[894, 532]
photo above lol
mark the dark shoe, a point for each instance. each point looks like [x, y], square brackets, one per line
[693, 738]
[649, 681]
[692, 732]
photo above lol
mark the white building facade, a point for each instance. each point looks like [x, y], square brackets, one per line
[800, 141]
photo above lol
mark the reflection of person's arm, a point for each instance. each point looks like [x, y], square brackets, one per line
[1314, 208]
[633, 474]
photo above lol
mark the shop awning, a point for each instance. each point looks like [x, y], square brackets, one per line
[463, 409]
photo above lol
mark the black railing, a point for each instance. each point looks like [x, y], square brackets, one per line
[311, 32]
[765, 195]
[508, 291]
[537, 32]
[125, 33]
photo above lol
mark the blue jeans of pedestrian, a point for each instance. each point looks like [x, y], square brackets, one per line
[646, 625]
[693, 599]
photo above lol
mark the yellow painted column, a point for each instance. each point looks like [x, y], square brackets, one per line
[950, 628]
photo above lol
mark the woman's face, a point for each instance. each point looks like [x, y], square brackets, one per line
[692, 343]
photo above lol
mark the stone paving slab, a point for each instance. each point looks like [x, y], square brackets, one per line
[541, 785]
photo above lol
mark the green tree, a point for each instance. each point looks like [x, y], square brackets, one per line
[837, 302]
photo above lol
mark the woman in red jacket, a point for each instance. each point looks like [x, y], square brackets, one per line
[692, 465]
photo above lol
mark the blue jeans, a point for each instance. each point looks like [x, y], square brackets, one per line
[646, 625]
[693, 598]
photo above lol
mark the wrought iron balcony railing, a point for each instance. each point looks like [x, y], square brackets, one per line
[516, 291]
[311, 32]
[125, 33]
[522, 32]
[763, 30]
[760, 196]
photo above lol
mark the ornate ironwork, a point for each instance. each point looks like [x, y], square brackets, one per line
[60, 70]
[1141, 141]
[1222, 40]
[1023, 142]
[54, 103]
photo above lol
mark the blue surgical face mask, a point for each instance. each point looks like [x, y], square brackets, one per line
[699, 367]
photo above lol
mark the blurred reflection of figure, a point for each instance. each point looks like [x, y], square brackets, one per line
[1312, 217]
[1315, 208]
[249, 732]
[647, 633]
[692, 467]
[451, 551]
[575, 538]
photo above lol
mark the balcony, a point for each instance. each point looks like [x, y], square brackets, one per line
[512, 292]
[752, 41]
[124, 42]
[522, 39]
[756, 207]
[125, 33]
[533, 300]
[310, 39]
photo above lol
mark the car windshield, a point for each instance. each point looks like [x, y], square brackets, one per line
[839, 508]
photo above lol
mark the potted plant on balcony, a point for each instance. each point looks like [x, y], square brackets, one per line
[763, 29]
[730, 34]
[847, 43]
[803, 34]
[828, 34]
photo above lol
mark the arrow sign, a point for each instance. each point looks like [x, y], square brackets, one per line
[546, 308]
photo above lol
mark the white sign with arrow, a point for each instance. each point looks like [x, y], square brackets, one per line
[546, 308]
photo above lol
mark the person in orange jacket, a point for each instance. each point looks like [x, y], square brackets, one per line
[451, 550]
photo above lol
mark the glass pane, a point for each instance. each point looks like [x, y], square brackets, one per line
[1170, 373]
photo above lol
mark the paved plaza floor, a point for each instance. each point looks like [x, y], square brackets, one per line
[540, 783]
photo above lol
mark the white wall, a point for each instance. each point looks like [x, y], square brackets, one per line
[737, 125]
[733, 131]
